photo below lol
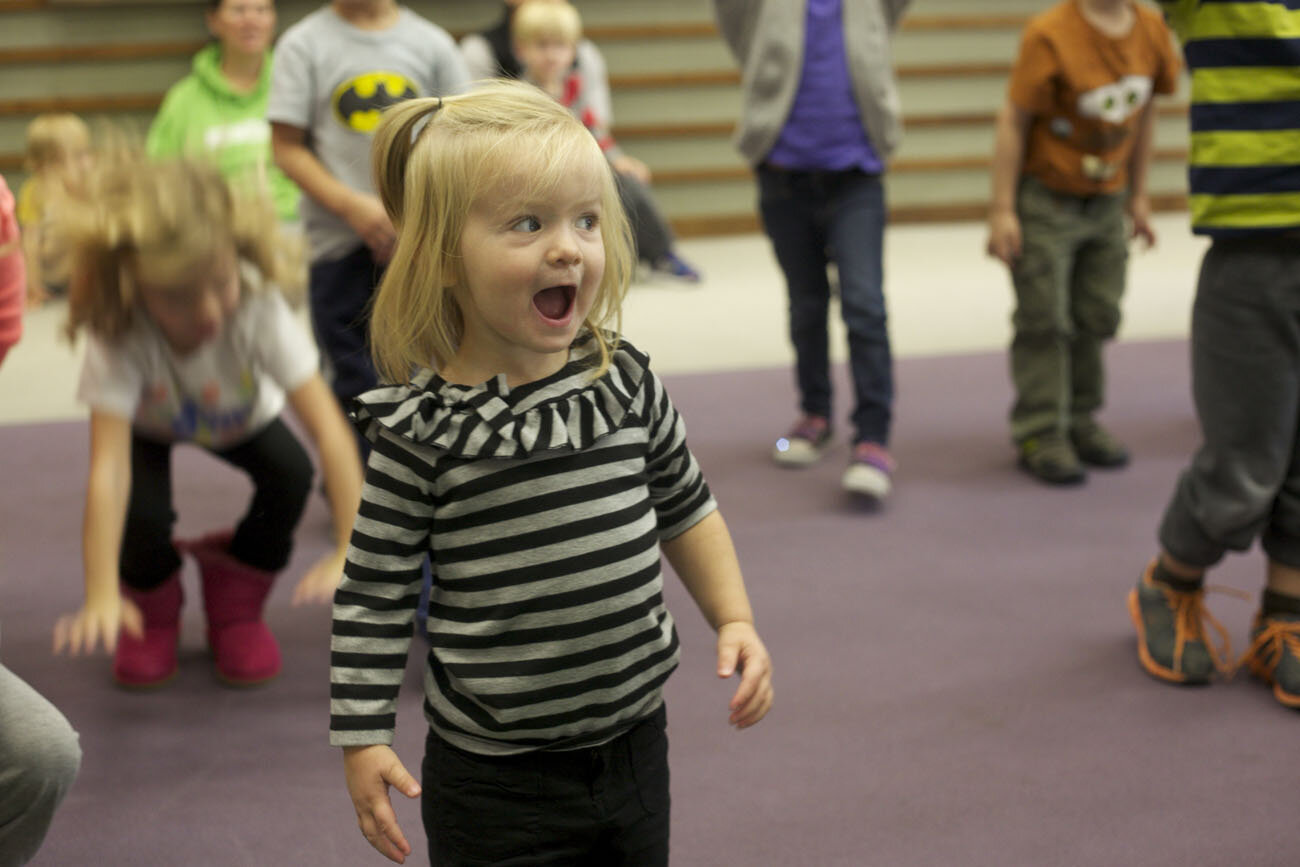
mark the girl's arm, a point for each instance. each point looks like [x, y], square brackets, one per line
[36, 294]
[705, 560]
[317, 409]
[107, 494]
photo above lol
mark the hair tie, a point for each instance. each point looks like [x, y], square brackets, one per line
[424, 121]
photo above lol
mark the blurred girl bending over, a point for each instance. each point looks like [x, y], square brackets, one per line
[175, 280]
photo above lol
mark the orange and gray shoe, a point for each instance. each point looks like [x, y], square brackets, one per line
[1173, 642]
[1274, 654]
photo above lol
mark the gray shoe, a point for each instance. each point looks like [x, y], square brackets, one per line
[1274, 655]
[1050, 458]
[1172, 641]
[1097, 446]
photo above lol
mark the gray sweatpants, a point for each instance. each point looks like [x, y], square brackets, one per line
[39, 759]
[1244, 481]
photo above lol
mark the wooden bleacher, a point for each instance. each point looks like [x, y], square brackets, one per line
[675, 91]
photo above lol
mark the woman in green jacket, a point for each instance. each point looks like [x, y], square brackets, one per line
[219, 109]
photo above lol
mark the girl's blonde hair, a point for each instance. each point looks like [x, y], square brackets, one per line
[157, 221]
[51, 136]
[434, 158]
[541, 19]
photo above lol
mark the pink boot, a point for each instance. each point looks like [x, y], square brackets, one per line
[140, 663]
[233, 595]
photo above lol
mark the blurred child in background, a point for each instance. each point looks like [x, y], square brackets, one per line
[1070, 168]
[175, 279]
[546, 35]
[58, 156]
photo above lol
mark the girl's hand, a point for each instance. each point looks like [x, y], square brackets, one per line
[321, 580]
[98, 620]
[369, 772]
[741, 650]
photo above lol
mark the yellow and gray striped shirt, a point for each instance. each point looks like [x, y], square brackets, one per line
[1244, 59]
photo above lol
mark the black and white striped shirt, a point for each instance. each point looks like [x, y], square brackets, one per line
[541, 508]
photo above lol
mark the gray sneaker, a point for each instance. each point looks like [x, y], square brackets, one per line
[1049, 457]
[804, 443]
[1274, 655]
[1097, 446]
[1172, 641]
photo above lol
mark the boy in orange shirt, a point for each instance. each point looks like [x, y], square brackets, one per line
[1073, 146]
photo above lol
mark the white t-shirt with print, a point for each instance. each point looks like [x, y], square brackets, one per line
[217, 396]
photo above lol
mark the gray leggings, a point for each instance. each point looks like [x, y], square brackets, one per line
[39, 759]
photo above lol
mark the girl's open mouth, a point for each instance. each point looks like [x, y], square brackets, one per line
[555, 303]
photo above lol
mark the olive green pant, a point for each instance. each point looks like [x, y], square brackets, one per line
[1068, 281]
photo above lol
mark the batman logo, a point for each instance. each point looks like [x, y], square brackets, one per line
[359, 101]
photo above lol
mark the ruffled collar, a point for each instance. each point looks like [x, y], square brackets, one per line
[565, 411]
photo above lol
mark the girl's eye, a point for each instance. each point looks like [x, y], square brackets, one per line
[527, 224]
[588, 222]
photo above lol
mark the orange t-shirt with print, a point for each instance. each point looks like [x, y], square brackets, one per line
[1086, 91]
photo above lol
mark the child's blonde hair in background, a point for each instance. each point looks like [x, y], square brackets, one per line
[156, 222]
[434, 158]
[50, 137]
[546, 19]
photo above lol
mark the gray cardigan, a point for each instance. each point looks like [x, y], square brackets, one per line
[767, 37]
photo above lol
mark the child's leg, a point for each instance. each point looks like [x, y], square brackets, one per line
[148, 557]
[789, 203]
[1040, 346]
[654, 238]
[856, 233]
[39, 759]
[339, 298]
[239, 568]
[281, 473]
[1245, 354]
[1096, 286]
[1243, 479]
[150, 569]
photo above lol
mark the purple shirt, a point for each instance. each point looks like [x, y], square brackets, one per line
[824, 130]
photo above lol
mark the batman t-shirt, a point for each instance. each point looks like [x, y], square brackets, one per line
[332, 80]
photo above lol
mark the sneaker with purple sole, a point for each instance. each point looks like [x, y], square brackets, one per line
[804, 443]
[870, 471]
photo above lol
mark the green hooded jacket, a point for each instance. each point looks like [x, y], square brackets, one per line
[203, 115]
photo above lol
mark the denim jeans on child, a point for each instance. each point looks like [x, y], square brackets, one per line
[814, 218]
[339, 298]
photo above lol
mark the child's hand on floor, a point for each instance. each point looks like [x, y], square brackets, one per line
[98, 620]
[741, 650]
[321, 580]
[370, 771]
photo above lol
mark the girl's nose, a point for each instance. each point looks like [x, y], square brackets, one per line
[564, 250]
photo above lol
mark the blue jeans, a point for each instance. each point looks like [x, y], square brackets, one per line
[339, 297]
[813, 219]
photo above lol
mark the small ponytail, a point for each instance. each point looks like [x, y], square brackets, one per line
[394, 141]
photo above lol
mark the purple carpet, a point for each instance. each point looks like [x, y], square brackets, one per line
[955, 673]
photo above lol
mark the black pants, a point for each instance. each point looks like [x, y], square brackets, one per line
[339, 298]
[606, 806]
[281, 474]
